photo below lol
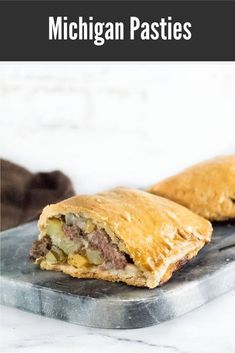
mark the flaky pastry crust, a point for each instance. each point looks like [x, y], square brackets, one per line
[159, 235]
[208, 188]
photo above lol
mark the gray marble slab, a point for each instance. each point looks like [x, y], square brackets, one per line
[111, 305]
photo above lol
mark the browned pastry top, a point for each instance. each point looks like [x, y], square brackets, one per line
[154, 231]
[207, 188]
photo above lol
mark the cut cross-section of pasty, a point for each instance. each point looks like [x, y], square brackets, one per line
[119, 235]
[208, 188]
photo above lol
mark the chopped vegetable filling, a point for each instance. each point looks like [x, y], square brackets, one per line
[78, 242]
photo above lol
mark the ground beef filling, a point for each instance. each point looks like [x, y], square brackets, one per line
[40, 248]
[97, 240]
[71, 232]
[113, 258]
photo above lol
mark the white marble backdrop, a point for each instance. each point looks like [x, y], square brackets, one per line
[209, 329]
[107, 124]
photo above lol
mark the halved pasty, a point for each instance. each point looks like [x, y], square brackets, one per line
[119, 235]
[207, 188]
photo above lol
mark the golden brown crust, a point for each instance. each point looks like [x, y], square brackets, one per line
[207, 188]
[155, 232]
[95, 273]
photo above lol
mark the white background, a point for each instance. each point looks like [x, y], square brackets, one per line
[118, 124]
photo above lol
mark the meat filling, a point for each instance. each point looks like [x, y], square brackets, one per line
[40, 248]
[71, 232]
[98, 240]
[94, 246]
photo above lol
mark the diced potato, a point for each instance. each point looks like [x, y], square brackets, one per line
[70, 219]
[54, 227]
[55, 255]
[68, 246]
[58, 253]
[55, 231]
[89, 226]
[94, 257]
[85, 225]
[77, 260]
[50, 257]
[81, 223]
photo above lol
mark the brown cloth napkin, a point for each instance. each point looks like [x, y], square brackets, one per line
[23, 194]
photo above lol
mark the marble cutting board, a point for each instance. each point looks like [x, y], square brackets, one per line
[110, 305]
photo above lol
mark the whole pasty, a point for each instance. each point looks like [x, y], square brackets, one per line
[119, 235]
[207, 188]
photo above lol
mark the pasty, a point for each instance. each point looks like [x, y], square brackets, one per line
[119, 235]
[208, 188]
